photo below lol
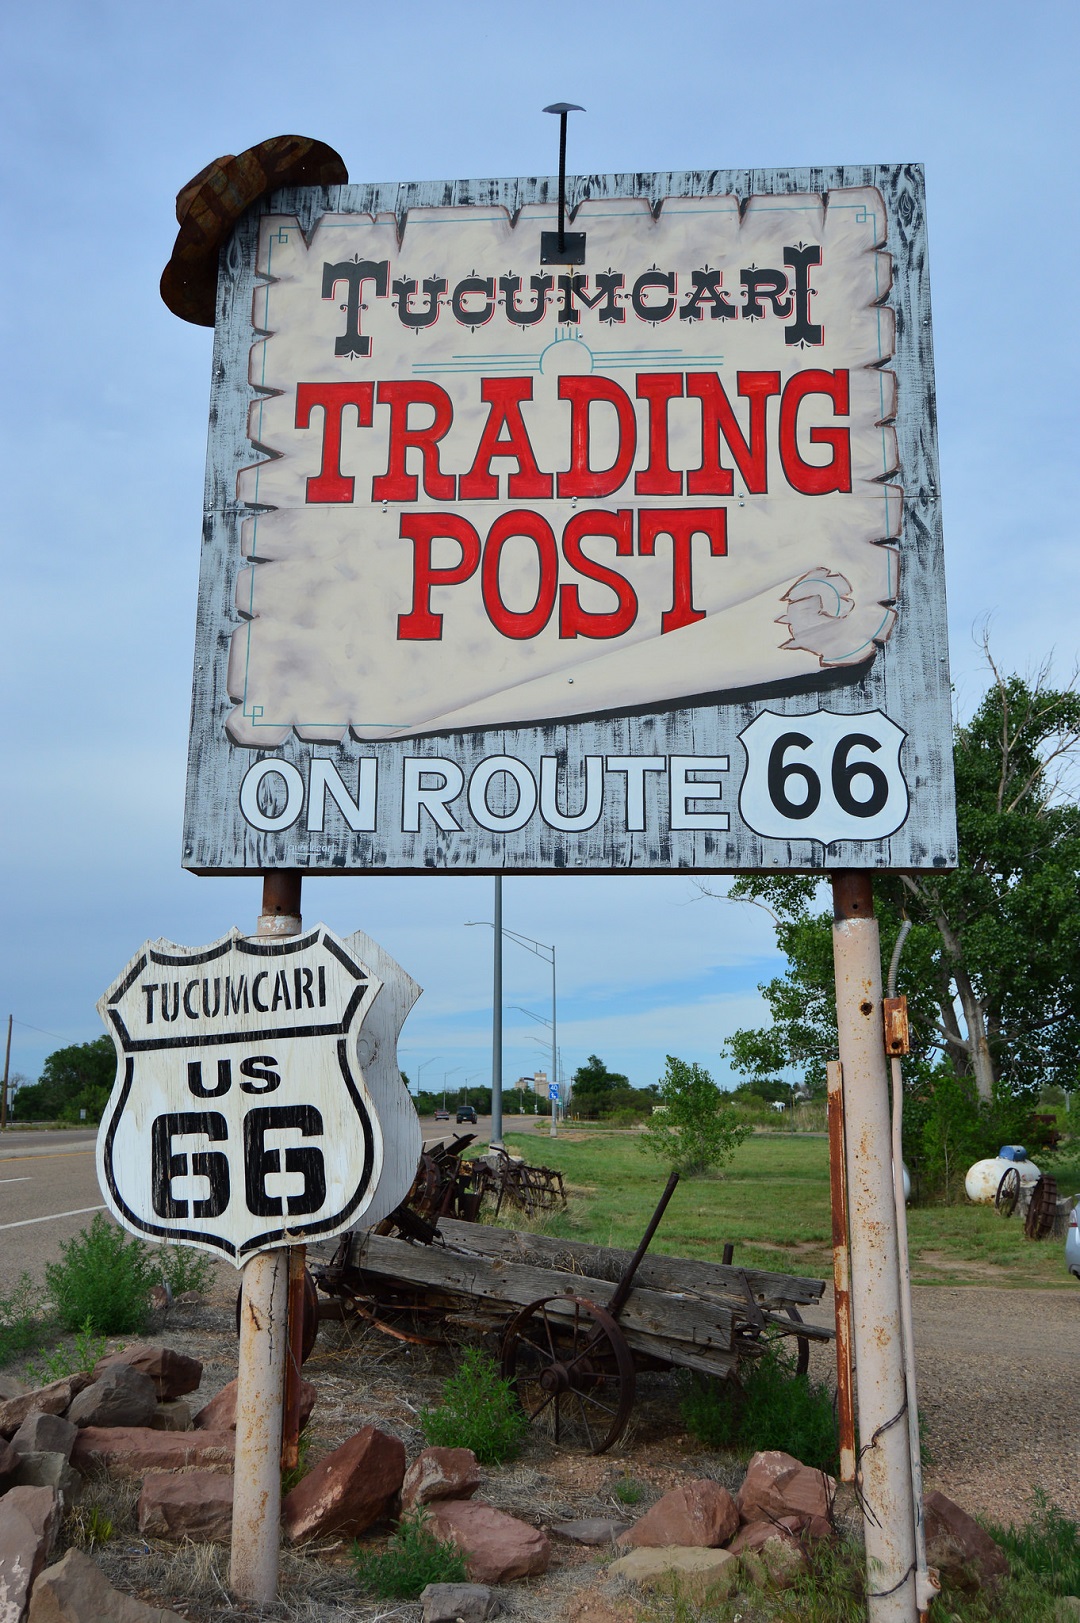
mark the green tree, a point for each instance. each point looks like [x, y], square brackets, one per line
[695, 1129]
[595, 1089]
[991, 968]
[72, 1079]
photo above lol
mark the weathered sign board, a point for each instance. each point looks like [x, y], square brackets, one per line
[258, 1100]
[632, 564]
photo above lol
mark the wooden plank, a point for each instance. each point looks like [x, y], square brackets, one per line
[652, 1321]
[657, 1271]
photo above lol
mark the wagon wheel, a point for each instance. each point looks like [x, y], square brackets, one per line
[572, 1371]
[1043, 1209]
[1008, 1192]
[311, 1316]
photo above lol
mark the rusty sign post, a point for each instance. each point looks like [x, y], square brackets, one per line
[884, 1464]
[262, 1355]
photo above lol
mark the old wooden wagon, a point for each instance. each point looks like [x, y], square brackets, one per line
[574, 1322]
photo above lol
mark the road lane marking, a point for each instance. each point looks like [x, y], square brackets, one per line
[57, 1155]
[27, 1179]
[24, 1222]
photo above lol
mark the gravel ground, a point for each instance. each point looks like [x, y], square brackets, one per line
[998, 1373]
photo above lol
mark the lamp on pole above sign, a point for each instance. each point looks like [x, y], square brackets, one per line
[627, 563]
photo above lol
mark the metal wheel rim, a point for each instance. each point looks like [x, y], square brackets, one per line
[1008, 1192]
[573, 1371]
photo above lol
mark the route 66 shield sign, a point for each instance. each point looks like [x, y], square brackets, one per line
[258, 1100]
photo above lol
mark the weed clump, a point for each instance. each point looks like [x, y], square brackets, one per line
[770, 1407]
[102, 1282]
[413, 1558]
[63, 1361]
[183, 1268]
[478, 1411]
[1045, 1549]
[20, 1326]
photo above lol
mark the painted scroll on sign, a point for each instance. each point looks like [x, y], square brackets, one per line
[498, 494]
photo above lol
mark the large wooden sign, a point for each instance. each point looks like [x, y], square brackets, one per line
[258, 1100]
[633, 563]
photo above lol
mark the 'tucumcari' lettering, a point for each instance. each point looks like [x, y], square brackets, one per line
[781, 292]
[270, 991]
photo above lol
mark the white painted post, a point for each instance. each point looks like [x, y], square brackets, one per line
[884, 1464]
[260, 1390]
[264, 1340]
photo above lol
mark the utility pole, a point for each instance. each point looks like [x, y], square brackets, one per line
[496, 1024]
[7, 1068]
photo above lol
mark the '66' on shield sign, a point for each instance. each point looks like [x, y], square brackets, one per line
[257, 1100]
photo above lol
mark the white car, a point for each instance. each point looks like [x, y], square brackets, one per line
[1072, 1242]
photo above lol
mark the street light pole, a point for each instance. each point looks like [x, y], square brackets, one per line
[445, 1074]
[496, 1023]
[420, 1068]
[554, 1054]
[541, 950]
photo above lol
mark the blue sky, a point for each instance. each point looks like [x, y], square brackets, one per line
[110, 107]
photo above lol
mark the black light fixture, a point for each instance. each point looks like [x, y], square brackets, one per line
[562, 247]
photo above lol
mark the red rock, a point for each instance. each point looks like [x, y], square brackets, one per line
[122, 1397]
[76, 1590]
[173, 1373]
[963, 1553]
[440, 1473]
[190, 1504]
[778, 1485]
[172, 1414]
[9, 1460]
[133, 1450]
[348, 1490]
[769, 1553]
[220, 1413]
[29, 1518]
[51, 1399]
[699, 1515]
[497, 1548]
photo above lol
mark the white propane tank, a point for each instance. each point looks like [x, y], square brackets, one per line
[984, 1177]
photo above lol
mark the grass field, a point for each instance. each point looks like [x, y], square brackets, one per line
[773, 1203]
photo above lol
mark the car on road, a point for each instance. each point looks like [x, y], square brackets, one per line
[1072, 1242]
[466, 1113]
[442, 1115]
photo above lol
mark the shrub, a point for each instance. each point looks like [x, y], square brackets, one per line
[102, 1282]
[63, 1361]
[20, 1326]
[413, 1558]
[183, 1268]
[771, 1407]
[478, 1411]
[697, 1130]
[1046, 1548]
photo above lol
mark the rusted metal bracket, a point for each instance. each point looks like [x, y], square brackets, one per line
[897, 1031]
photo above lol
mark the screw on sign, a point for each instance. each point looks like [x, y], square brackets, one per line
[257, 1101]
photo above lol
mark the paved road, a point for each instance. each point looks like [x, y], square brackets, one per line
[48, 1192]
